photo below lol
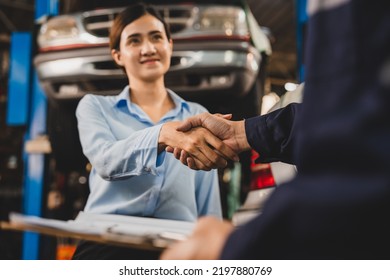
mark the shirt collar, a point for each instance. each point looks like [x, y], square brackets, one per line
[179, 102]
[123, 99]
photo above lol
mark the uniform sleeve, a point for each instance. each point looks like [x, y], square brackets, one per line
[272, 135]
[115, 159]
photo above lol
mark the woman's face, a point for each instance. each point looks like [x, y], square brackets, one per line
[145, 51]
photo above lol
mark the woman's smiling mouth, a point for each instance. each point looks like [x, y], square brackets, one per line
[149, 61]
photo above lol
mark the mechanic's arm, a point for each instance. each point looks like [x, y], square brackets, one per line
[271, 135]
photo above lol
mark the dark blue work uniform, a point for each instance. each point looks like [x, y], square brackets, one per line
[338, 206]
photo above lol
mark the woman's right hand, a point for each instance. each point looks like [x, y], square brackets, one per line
[232, 133]
[205, 149]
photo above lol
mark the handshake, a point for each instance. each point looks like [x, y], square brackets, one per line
[205, 141]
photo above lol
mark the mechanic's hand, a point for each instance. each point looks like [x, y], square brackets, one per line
[232, 133]
[205, 150]
[205, 243]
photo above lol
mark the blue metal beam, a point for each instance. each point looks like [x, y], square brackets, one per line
[34, 170]
[301, 25]
[46, 7]
[19, 79]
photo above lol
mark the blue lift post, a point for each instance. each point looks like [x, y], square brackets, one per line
[27, 105]
[301, 26]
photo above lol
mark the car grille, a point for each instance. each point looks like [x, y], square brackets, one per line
[99, 22]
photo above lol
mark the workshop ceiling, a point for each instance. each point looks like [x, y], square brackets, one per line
[16, 15]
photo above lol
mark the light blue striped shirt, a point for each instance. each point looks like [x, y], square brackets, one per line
[128, 177]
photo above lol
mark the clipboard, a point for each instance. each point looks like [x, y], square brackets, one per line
[129, 231]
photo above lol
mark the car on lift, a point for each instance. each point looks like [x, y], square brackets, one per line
[219, 52]
[219, 60]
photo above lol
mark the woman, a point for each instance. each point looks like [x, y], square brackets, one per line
[124, 138]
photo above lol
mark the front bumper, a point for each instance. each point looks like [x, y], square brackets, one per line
[215, 68]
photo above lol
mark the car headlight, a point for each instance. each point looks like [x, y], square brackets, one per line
[59, 28]
[228, 20]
